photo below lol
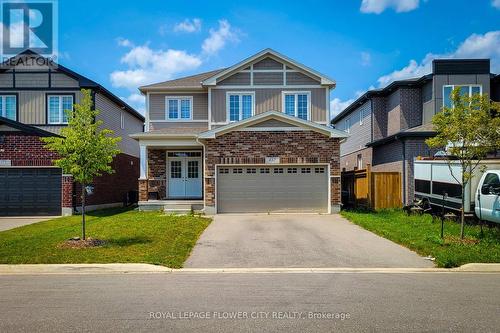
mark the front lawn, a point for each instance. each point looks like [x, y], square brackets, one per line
[130, 236]
[419, 233]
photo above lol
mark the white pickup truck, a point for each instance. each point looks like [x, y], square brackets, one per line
[435, 183]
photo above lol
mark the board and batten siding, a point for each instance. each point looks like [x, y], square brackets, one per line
[110, 114]
[269, 99]
[359, 131]
[157, 109]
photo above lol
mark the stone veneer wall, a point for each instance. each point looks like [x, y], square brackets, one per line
[246, 147]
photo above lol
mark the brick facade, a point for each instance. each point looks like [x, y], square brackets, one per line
[350, 161]
[245, 147]
[379, 115]
[25, 150]
[411, 107]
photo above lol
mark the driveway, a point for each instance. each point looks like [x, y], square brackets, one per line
[295, 241]
[7, 223]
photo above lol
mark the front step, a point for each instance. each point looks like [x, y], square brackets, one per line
[172, 206]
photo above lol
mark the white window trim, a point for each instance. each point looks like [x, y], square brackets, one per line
[361, 115]
[462, 85]
[122, 120]
[3, 111]
[308, 93]
[347, 125]
[61, 111]
[229, 93]
[178, 99]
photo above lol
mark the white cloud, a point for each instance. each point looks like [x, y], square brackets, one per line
[146, 66]
[378, 6]
[124, 42]
[219, 37]
[188, 26]
[496, 3]
[366, 59]
[475, 46]
[337, 105]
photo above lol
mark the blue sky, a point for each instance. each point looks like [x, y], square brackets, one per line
[360, 43]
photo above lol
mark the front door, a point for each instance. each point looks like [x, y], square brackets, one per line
[184, 176]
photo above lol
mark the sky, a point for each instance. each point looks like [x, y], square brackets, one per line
[361, 44]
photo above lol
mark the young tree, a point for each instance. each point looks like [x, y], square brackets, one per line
[469, 130]
[85, 149]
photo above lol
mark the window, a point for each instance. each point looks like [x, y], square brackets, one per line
[291, 170]
[278, 170]
[8, 107]
[184, 154]
[305, 170]
[179, 108]
[240, 106]
[359, 161]
[251, 170]
[122, 120]
[223, 171]
[319, 170]
[58, 107]
[237, 170]
[491, 184]
[193, 169]
[465, 90]
[297, 104]
[264, 170]
[361, 115]
[347, 125]
[175, 169]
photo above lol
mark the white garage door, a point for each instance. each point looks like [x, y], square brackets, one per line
[252, 189]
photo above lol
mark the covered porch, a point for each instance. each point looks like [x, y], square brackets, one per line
[171, 172]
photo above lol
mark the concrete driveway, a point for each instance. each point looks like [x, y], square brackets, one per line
[7, 223]
[295, 241]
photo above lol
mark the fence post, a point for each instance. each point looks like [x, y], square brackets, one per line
[370, 186]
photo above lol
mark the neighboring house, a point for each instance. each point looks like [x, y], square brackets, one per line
[249, 138]
[388, 127]
[32, 104]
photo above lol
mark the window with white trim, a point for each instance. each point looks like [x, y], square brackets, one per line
[347, 125]
[58, 105]
[8, 108]
[179, 108]
[361, 115]
[240, 106]
[465, 90]
[297, 104]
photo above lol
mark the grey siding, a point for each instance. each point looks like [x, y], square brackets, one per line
[60, 80]
[32, 80]
[268, 63]
[264, 78]
[6, 80]
[272, 123]
[111, 116]
[236, 79]
[177, 124]
[157, 105]
[297, 78]
[359, 131]
[270, 100]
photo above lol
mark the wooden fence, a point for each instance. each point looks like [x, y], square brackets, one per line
[372, 190]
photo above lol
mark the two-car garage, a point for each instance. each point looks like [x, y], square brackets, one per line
[276, 188]
[30, 191]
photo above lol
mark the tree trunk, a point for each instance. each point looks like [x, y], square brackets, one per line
[83, 211]
[462, 213]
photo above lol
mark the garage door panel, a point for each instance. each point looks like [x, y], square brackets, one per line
[276, 191]
[30, 191]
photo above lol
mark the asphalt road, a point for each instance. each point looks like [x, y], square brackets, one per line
[294, 240]
[354, 302]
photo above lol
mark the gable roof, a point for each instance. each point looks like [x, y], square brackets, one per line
[262, 54]
[188, 82]
[83, 82]
[25, 128]
[262, 117]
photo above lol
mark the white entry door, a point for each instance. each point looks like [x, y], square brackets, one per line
[184, 177]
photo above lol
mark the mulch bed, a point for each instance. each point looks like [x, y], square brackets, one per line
[81, 244]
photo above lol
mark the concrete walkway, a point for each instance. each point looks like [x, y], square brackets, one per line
[248, 240]
[7, 223]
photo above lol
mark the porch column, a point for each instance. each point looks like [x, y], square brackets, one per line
[143, 175]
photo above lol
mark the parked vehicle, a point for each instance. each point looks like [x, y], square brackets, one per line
[440, 184]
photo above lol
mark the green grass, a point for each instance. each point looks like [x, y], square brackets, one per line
[131, 237]
[421, 234]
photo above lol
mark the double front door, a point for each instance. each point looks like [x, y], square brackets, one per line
[184, 175]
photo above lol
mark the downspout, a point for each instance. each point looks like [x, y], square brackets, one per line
[203, 166]
[404, 171]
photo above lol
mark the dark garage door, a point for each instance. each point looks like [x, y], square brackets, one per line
[30, 191]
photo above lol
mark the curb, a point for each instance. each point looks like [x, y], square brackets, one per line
[41, 269]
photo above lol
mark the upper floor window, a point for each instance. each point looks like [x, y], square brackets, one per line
[297, 104]
[8, 106]
[179, 108]
[465, 90]
[57, 106]
[122, 120]
[240, 106]
[347, 125]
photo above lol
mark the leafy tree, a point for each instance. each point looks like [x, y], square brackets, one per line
[469, 130]
[85, 149]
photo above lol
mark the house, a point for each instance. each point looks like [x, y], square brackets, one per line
[249, 138]
[33, 97]
[388, 127]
